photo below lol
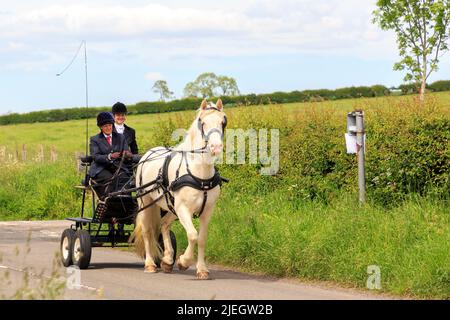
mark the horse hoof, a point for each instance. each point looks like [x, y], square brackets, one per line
[166, 268]
[180, 266]
[203, 275]
[150, 269]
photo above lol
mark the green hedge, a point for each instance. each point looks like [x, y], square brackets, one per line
[57, 115]
[437, 86]
[442, 85]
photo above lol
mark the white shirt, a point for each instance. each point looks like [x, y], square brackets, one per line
[119, 128]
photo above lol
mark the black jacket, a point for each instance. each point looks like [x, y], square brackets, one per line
[130, 137]
[100, 149]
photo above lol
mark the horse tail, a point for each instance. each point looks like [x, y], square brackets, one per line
[148, 226]
[137, 239]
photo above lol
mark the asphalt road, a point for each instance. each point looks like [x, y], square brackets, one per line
[118, 274]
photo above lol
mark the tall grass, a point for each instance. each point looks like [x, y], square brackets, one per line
[39, 191]
[336, 242]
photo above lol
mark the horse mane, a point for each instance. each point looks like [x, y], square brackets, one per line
[191, 132]
[190, 136]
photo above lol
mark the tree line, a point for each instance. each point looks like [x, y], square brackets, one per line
[207, 85]
[192, 103]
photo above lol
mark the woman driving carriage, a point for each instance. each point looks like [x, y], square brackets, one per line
[105, 148]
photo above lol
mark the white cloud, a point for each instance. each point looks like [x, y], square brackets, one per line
[141, 30]
[154, 76]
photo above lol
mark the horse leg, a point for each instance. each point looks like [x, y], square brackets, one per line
[185, 217]
[150, 222]
[202, 270]
[167, 260]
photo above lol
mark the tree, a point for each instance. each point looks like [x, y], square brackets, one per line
[422, 29]
[191, 90]
[209, 85]
[205, 86]
[228, 86]
[162, 89]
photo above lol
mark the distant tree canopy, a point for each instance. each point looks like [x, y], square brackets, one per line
[160, 87]
[228, 86]
[209, 85]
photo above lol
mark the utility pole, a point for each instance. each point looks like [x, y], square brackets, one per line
[360, 151]
[355, 141]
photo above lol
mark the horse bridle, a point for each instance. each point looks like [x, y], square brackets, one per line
[208, 134]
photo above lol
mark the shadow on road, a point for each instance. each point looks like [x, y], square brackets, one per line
[116, 265]
[191, 272]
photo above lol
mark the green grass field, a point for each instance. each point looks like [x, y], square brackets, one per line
[69, 136]
[305, 221]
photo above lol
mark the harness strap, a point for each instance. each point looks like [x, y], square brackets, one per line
[140, 188]
[177, 174]
[205, 197]
[196, 183]
[164, 171]
[188, 179]
[148, 205]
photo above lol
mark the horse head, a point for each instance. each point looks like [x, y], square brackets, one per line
[211, 124]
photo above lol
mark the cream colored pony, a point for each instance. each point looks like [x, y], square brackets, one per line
[188, 201]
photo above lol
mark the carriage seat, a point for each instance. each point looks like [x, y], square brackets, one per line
[86, 161]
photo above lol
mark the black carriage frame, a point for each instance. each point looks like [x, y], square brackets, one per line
[77, 241]
[110, 237]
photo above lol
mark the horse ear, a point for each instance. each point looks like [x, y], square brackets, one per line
[204, 104]
[219, 104]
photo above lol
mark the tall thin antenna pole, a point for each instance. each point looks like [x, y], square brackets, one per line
[87, 109]
[83, 43]
[87, 96]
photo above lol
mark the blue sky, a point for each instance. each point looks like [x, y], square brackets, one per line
[266, 45]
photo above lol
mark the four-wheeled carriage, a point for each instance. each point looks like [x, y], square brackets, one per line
[110, 225]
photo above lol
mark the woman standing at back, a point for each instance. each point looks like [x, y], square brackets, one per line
[119, 110]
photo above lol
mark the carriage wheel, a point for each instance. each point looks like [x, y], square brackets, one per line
[82, 248]
[66, 246]
[173, 240]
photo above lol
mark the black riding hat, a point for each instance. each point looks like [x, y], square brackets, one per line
[104, 118]
[119, 107]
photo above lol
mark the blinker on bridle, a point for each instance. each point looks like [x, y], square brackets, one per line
[206, 136]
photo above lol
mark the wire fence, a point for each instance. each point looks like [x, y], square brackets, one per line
[26, 154]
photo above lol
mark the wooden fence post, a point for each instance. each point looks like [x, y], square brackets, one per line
[53, 154]
[78, 155]
[2, 154]
[40, 155]
[24, 152]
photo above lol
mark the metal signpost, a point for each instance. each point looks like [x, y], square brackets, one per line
[355, 141]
